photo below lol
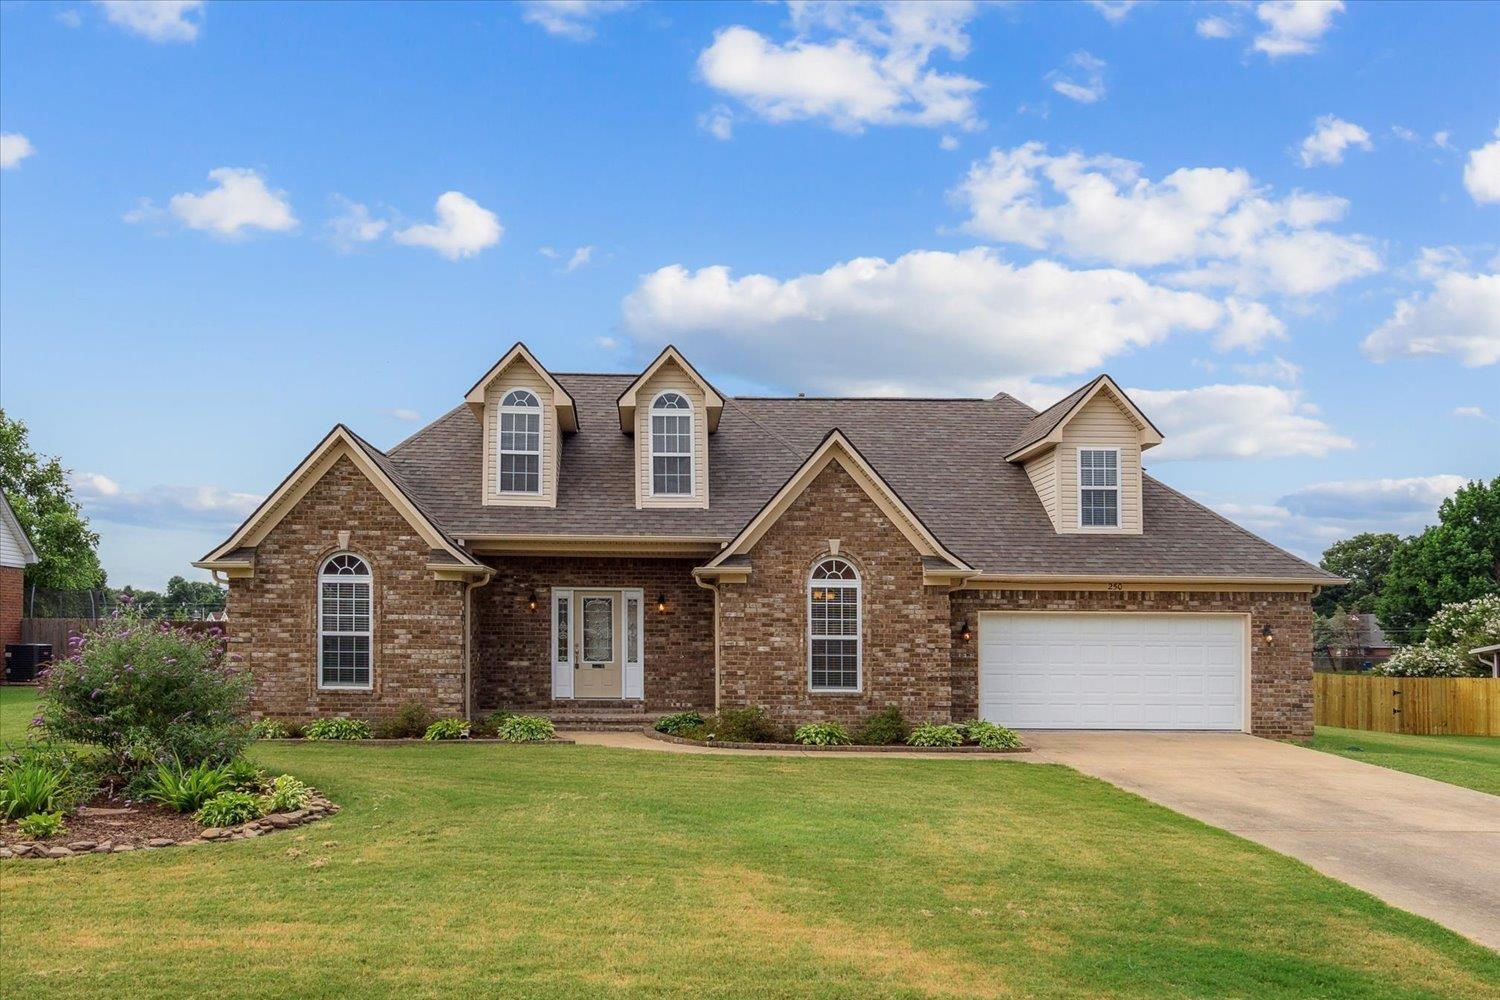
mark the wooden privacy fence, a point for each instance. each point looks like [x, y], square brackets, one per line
[57, 631]
[1421, 706]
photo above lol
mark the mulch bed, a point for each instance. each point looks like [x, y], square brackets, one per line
[897, 748]
[109, 825]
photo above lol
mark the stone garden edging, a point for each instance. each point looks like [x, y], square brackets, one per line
[848, 748]
[317, 808]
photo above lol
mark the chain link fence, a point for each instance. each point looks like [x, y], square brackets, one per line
[92, 605]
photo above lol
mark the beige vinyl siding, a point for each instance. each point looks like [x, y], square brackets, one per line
[1043, 473]
[520, 375]
[670, 377]
[1101, 423]
[11, 553]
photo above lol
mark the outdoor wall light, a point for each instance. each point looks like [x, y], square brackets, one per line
[964, 632]
[1267, 634]
[531, 602]
[661, 604]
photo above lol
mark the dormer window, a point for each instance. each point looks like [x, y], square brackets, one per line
[1099, 487]
[520, 465]
[671, 445]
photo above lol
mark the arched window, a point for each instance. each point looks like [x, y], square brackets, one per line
[833, 626]
[520, 468]
[671, 445]
[344, 626]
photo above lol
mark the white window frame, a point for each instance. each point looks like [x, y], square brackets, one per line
[368, 579]
[857, 585]
[633, 671]
[1115, 489]
[692, 436]
[500, 449]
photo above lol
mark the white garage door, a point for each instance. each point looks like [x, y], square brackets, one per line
[1106, 671]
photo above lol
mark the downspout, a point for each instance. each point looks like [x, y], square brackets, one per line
[714, 587]
[469, 589]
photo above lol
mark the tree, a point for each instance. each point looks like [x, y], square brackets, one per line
[1455, 560]
[1364, 561]
[38, 491]
[200, 594]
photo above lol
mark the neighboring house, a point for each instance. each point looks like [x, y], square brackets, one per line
[16, 553]
[568, 543]
[1368, 646]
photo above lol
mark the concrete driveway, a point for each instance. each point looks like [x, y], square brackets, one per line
[1419, 844]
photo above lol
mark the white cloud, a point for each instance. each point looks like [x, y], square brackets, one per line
[239, 202]
[1216, 27]
[353, 226]
[580, 257]
[463, 228]
[1294, 27]
[851, 65]
[1405, 134]
[1278, 369]
[161, 506]
[158, 20]
[1471, 412]
[572, 19]
[718, 122]
[1330, 137]
[1442, 140]
[14, 147]
[1081, 80]
[1212, 223]
[1236, 421]
[1114, 11]
[70, 18]
[1482, 172]
[402, 413]
[948, 143]
[1249, 326]
[847, 328]
[1385, 500]
[1459, 316]
[606, 343]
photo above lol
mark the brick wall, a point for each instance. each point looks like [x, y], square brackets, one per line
[418, 644]
[1280, 674]
[512, 650]
[11, 588]
[763, 622]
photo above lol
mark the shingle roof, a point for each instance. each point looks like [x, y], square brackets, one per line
[1045, 422]
[945, 458]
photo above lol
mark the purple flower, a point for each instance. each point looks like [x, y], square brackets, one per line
[38, 722]
[94, 694]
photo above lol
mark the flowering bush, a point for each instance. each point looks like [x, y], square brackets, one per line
[147, 692]
[1452, 632]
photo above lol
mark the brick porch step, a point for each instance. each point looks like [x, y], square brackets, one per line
[599, 721]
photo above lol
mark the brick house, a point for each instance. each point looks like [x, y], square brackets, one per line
[16, 553]
[598, 546]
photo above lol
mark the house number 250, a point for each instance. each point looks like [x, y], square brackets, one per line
[1114, 586]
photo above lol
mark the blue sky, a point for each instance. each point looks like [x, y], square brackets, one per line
[225, 227]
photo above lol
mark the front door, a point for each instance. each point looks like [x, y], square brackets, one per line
[596, 646]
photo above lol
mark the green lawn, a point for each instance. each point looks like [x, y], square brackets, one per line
[1470, 761]
[17, 706]
[486, 870]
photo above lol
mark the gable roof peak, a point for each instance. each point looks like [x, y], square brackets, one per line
[713, 401]
[1045, 429]
[562, 400]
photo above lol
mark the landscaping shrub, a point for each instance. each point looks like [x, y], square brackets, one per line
[677, 723]
[488, 726]
[447, 729]
[229, 809]
[822, 734]
[243, 775]
[883, 729]
[991, 736]
[286, 794]
[41, 825]
[409, 723]
[337, 729]
[33, 787]
[268, 729]
[736, 725]
[1423, 661]
[931, 734]
[147, 692]
[183, 789]
[525, 729]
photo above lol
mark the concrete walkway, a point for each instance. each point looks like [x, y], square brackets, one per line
[1422, 845]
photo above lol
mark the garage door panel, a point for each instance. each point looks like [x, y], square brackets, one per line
[1112, 671]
